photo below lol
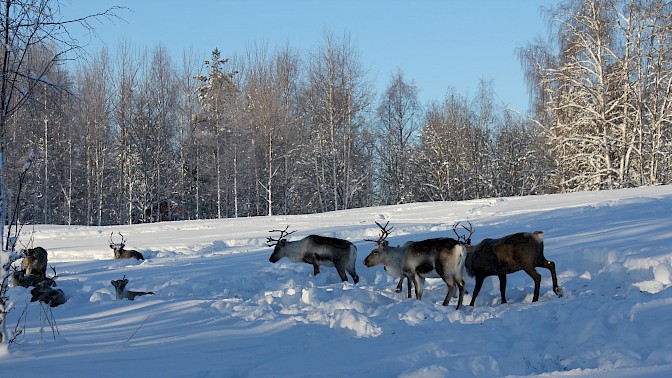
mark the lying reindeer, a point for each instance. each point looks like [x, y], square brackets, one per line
[120, 252]
[418, 260]
[44, 292]
[20, 278]
[506, 255]
[120, 289]
[316, 250]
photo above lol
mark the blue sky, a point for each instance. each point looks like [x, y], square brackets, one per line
[438, 44]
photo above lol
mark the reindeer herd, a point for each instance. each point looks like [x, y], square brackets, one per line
[445, 258]
[33, 273]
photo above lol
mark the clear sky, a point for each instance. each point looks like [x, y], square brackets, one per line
[437, 43]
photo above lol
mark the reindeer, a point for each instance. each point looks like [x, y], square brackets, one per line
[35, 262]
[120, 252]
[44, 292]
[391, 260]
[506, 255]
[418, 259]
[316, 250]
[120, 289]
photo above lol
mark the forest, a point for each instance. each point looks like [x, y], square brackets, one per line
[137, 135]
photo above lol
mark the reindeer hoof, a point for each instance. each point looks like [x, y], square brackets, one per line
[559, 292]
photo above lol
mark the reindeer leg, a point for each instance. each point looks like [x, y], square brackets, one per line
[419, 282]
[550, 265]
[460, 285]
[351, 269]
[451, 289]
[340, 269]
[502, 286]
[400, 285]
[410, 286]
[315, 263]
[477, 289]
[537, 282]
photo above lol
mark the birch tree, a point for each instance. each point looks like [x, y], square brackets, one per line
[27, 25]
[270, 94]
[604, 101]
[338, 96]
[398, 116]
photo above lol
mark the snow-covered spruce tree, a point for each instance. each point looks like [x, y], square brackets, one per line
[28, 26]
[217, 95]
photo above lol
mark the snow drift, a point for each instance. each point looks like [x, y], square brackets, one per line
[221, 309]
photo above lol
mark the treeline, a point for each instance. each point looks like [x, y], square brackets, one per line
[139, 136]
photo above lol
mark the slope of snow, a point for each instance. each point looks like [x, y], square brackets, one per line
[221, 309]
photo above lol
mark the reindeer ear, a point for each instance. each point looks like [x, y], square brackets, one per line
[384, 243]
[112, 282]
[282, 242]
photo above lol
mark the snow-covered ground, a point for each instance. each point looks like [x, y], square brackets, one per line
[221, 309]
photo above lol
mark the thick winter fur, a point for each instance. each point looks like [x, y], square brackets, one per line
[418, 260]
[121, 253]
[45, 293]
[392, 259]
[120, 289]
[319, 250]
[35, 262]
[20, 278]
[499, 257]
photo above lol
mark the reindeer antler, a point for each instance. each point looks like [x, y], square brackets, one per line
[30, 242]
[283, 234]
[384, 233]
[123, 239]
[462, 238]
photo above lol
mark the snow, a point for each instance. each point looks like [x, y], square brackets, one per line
[221, 309]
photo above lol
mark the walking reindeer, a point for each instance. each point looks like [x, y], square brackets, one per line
[506, 255]
[316, 250]
[420, 259]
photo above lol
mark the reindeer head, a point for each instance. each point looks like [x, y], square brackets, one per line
[278, 243]
[119, 285]
[382, 245]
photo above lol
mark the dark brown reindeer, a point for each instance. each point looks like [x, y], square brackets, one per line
[120, 252]
[506, 255]
[316, 250]
[417, 260]
[35, 262]
[44, 291]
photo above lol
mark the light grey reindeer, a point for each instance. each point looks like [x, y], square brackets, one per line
[417, 260]
[392, 258]
[316, 250]
[120, 252]
[120, 289]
